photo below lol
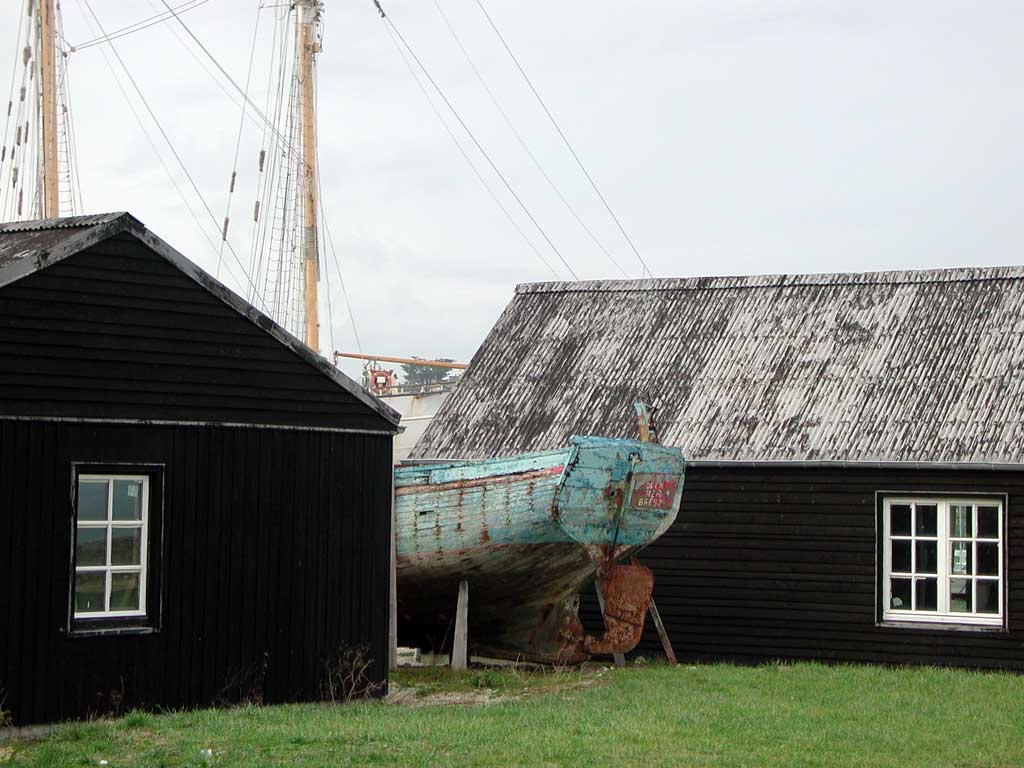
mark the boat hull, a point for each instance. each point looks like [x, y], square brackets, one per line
[526, 533]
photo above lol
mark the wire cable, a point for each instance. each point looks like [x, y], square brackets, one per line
[511, 189]
[238, 143]
[137, 26]
[231, 80]
[467, 158]
[167, 139]
[522, 142]
[565, 139]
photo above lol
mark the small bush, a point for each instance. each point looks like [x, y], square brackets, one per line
[136, 719]
[486, 678]
[345, 675]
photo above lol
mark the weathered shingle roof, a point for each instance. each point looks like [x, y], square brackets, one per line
[29, 246]
[876, 367]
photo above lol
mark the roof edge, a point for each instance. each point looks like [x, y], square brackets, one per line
[258, 318]
[733, 282]
[112, 224]
[109, 225]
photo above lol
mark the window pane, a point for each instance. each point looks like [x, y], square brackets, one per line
[988, 558]
[127, 500]
[927, 594]
[988, 522]
[125, 546]
[927, 520]
[960, 558]
[899, 519]
[124, 591]
[900, 597]
[988, 596]
[960, 595]
[901, 556]
[92, 500]
[960, 521]
[91, 546]
[927, 557]
[89, 589]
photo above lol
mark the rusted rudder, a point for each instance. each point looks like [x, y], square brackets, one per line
[627, 590]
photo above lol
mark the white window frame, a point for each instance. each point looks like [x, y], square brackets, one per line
[943, 615]
[108, 569]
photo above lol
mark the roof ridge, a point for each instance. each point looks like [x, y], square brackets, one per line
[65, 222]
[779, 280]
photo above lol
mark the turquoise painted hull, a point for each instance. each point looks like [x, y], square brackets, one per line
[527, 533]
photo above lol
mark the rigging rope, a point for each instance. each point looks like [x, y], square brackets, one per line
[467, 158]
[330, 243]
[511, 189]
[565, 139]
[166, 138]
[238, 142]
[224, 72]
[138, 26]
[522, 142]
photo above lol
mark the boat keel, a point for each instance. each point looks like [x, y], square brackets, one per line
[627, 590]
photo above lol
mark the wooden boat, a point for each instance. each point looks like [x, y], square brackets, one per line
[527, 533]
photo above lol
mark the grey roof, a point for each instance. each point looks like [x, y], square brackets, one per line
[27, 247]
[876, 367]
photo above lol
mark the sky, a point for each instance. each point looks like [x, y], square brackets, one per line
[729, 137]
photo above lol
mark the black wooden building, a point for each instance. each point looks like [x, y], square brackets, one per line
[194, 507]
[855, 486]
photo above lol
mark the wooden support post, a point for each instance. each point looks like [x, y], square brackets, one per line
[666, 644]
[393, 589]
[460, 647]
[620, 659]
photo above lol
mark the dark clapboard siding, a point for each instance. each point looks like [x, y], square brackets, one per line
[275, 554]
[779, 563]
[118, 332]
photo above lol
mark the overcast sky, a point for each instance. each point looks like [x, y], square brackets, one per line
[729, 137]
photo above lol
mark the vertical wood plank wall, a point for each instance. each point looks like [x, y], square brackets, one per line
[275, 555]
[779, 563]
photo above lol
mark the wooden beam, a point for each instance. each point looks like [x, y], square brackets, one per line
[460, 647]
[48, 86]
[652, 608]
[305, 49]
[402, 360]
[393, 589]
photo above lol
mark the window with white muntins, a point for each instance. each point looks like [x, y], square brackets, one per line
[111, 528]
[942, 560]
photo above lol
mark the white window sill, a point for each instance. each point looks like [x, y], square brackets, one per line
[943, 622]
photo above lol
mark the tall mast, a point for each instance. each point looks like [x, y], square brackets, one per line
[306, 48]
[48, 125]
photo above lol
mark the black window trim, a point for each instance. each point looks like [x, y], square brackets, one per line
[150, 623]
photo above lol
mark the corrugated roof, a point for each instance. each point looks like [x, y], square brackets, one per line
[874, 367]
[24, 239]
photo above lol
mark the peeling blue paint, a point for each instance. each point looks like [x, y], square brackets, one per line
[583, 493]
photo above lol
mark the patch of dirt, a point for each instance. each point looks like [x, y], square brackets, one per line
[409, 697]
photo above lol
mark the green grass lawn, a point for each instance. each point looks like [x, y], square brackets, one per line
[715, 715]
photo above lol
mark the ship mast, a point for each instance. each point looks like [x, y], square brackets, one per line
[48, 124]
[306, 48]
